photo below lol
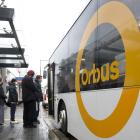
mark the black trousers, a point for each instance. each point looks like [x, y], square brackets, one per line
[12, 111]
[29, 113]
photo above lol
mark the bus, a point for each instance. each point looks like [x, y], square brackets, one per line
[94, 73]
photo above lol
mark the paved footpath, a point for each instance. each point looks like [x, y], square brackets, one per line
[17, 132]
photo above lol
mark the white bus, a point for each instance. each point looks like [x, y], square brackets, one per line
[94, 73]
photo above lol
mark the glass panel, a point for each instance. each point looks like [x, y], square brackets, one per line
[131, 40]
[61, 67]
[76, 35]
[111, 57]
[89, 59]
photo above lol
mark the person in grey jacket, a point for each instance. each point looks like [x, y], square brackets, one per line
[2, 101]
[13, 99]
[39, 94]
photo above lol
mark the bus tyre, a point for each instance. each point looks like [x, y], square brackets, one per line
[63, 119]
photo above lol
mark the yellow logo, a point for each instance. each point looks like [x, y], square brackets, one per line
[107, 72]
[119, 15]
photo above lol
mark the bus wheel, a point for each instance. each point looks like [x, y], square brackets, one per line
[63, 119]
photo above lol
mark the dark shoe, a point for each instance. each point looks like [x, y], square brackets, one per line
[25, 126]
[29, 126]
[36, 122]
[33, 126]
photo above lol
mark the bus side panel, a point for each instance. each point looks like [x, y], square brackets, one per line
[100, 105]
[103, 46]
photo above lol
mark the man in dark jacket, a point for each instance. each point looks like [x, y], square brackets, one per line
[29, 100]
[38, 81]
[13, 99]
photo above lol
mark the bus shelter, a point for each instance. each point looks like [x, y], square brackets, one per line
[11, 56]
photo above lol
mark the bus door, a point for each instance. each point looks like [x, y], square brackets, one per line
[51, 76]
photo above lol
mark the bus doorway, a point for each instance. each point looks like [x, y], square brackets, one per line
[51, 76]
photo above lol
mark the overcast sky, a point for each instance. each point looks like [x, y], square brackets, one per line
[41, 24]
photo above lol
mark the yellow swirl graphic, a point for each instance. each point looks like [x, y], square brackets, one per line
[119, 15]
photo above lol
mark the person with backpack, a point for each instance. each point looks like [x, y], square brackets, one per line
[12, 99]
